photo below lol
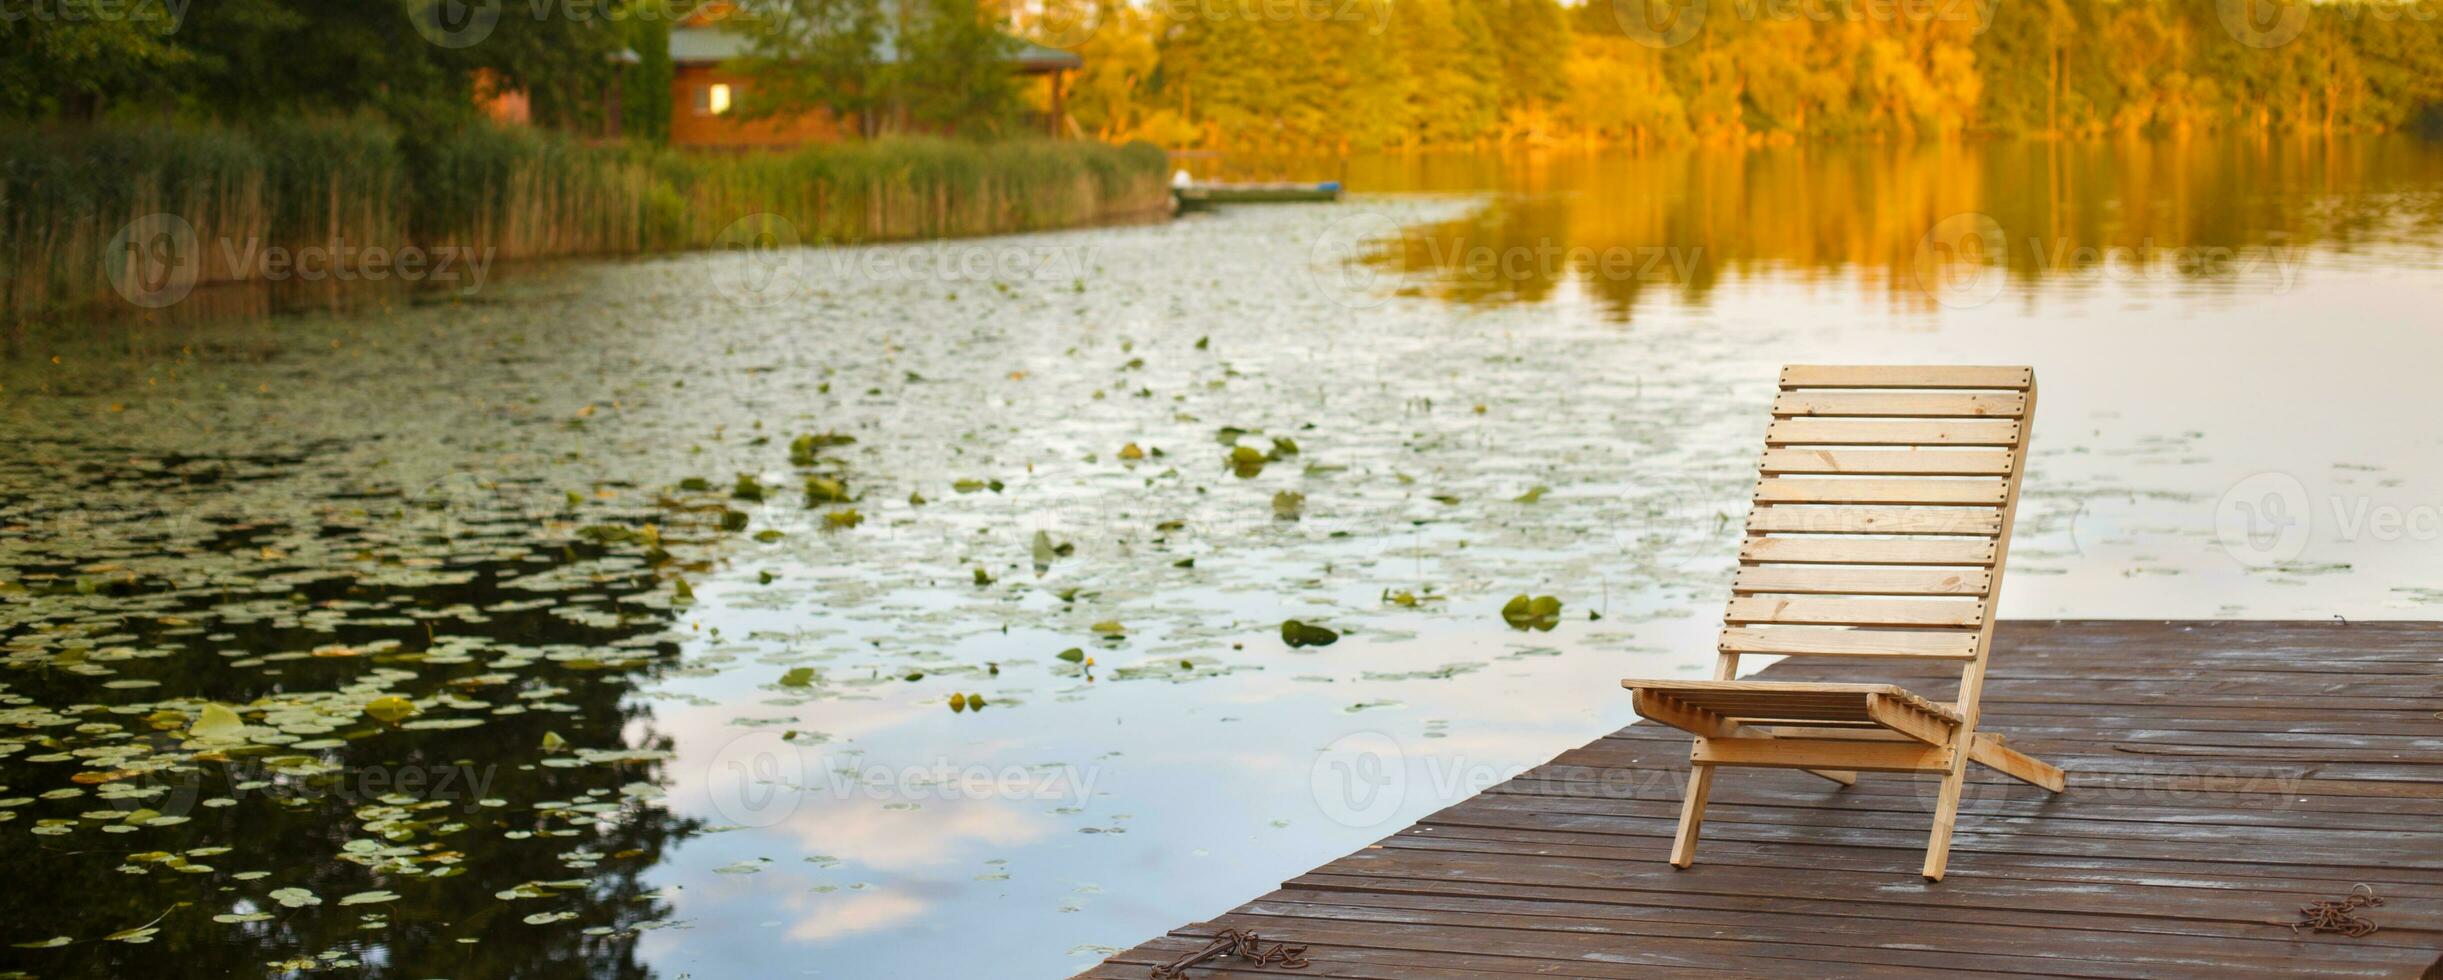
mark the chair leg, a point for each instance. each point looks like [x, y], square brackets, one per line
[1692, 815]
[1946, 810]
[1989, 751]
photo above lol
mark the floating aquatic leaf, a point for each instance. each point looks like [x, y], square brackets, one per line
[1288, 505]
[803, 448]
[52, 942]
[1045, 551]
[825, 490]
[1110, 628]
[1246, 461]
[1131, 452]
[219, 722]
[390, 709]
[1533, 494]
[1073, 655]
[747, 488]
[843, 519]
[295, 898]
[552, 742]
[797, 677]
[1538, 613]
[369, 898]
[1298, 634]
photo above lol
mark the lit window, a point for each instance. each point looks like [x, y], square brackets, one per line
[717, 99]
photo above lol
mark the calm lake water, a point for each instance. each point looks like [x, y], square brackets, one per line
[903, 611]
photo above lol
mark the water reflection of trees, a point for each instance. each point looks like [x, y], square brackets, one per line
[2196, 211]
[448, 920]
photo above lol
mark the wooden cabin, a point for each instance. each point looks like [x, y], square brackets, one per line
[705, 92]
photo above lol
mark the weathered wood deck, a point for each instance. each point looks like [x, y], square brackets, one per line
[2221, 774]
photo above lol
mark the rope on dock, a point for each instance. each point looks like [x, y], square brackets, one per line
[1244, 945]
[2342, 916]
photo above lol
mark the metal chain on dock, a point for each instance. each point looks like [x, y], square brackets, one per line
[2342, 916]
[1243, 945]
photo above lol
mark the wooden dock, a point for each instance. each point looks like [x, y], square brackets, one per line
[2221, 774]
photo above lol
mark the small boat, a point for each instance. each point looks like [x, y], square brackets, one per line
[1205, 197]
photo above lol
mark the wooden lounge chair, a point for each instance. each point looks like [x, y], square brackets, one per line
[1879, 530]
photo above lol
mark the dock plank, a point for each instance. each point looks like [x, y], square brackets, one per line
[2220, 775]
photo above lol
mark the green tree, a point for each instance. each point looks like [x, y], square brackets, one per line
[953, 68]
[810, 54]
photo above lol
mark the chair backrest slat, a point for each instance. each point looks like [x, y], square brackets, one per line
[1881, 514]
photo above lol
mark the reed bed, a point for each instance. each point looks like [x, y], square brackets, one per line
[363, 191]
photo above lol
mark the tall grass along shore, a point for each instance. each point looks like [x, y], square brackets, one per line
[88, 214]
